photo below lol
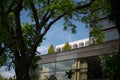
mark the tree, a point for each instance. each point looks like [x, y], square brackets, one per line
[114, 12]
[21, 40]
[66, 47]
[51, 49]
[111, 65]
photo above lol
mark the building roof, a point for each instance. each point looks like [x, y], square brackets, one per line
[74, 42]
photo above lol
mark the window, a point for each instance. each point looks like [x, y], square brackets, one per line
[64, 65]
[47, 67]
[94, 68]
[74, 46]
[45, 76]
[87, 43]
[111, 35]
[59, 50]
[79, 69]
[61, 75]
[81, 44]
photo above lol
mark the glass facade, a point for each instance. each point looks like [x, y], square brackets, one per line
[105, 23]
[49, 67]
[75, 69]
[65, 65]
[111, 35]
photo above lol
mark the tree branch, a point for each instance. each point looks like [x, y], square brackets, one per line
[18, 27]
[10, 7]
[35, 17]
[81, 12]
[84, 6]
[78, 7]
[2, 8]
[44, 20]
[52, 22]
[19, 5]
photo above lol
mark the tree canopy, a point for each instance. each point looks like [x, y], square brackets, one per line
[66, 47]
[111, 64]
[51, 49]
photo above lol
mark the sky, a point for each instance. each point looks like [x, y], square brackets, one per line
[56, 35]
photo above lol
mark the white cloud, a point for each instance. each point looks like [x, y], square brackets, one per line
[42, 49]
[7, 74]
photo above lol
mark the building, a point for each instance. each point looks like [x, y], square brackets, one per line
[82, 62]
[109, 29]
[74, 44]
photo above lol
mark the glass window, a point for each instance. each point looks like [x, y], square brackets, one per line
[94, 68]
[105, 24]
[87, 43]
[64, 65]
[81, 45]
[59, 50]
[111, 35]
[47, 67]
[74, 46]
[61, 75]
[45, 76]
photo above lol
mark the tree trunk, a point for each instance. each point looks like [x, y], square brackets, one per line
[22, 75]
[117, 77]
[22, 70]
[119, 40]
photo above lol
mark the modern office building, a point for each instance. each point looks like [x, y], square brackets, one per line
[76, 64]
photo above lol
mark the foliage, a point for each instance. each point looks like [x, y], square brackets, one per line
[111, 66]
[98, 35]
[66, 47]
[114, 14]
[34, 65]
[3, 59]
[51, 49]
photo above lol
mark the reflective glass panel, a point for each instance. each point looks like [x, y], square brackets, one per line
[111, 35]
[61, 75]
[47, 67]
[64, 65]
[45, 76]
